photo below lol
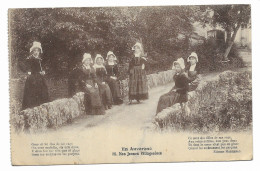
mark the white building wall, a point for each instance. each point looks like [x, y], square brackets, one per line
[243, 36]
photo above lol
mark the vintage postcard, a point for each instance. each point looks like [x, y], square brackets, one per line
[130, 84]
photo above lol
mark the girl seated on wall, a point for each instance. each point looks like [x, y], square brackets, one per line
[88, 84]
[193, 71]
[179, 93]
[104, 89]
[112, 80]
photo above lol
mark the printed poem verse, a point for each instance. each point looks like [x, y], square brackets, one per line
[54, 149]
[218, 144]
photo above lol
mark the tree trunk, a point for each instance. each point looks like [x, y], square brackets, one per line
[225, 57]
[230, 43]
[228, 36]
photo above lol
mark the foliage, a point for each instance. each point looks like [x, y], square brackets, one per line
[228, 17]
[66, 33]
[210, 57]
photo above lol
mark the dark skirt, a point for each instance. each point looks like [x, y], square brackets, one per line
[92, 101]
[138, 87]
[35, 91]
[105, 94]
[169, 99]
[115, 90]
[193, 85]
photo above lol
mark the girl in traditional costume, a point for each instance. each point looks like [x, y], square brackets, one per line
[35, 89]
[112, 77]
[88, 81]
[193, 71]
[178, 94]
[138, 87]
[102, 81]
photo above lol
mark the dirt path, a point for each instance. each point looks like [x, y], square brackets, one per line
[137, 116]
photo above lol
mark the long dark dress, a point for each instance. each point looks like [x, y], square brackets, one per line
[104, 88]
[179, 96]
[112, 71]
[35, 89]
[193, 77]
[92, 99]
[138, 87]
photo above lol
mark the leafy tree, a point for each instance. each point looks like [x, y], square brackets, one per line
[66, 33]
[230, 18]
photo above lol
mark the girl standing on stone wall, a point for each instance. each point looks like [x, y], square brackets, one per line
[35, 89]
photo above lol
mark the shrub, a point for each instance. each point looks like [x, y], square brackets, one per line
[222, 104]
[210, 57]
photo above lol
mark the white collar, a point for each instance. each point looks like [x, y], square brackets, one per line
[192, 67]
[86, 66]
[36, 57]
[111, 63]
[138, 55]
[98, 66]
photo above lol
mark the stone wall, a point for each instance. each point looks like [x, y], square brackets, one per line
[62, 111]
[49, 115]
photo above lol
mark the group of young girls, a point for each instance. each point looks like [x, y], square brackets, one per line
[99, 83]
[98, 80]
[186, 79]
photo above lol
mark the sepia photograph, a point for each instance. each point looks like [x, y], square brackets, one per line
[130, 84]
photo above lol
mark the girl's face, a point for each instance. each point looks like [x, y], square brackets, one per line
[193, 60]
[110, 58]
[87, 61]
[177, 68]
[36, 52]
[99, 61]
[137, 50]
